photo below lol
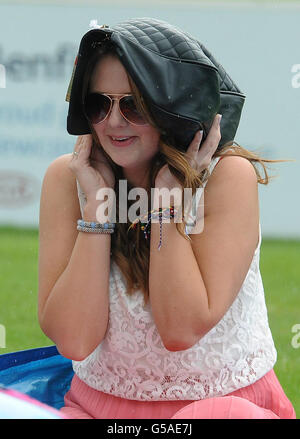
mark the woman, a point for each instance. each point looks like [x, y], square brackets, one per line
[159, 323]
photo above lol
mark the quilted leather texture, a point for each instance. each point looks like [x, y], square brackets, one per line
[226, 83]
[183, 85]
[163, 39]
[171, 42]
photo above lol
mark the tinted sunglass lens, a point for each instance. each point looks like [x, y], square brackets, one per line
[130, 112]
[96, 107]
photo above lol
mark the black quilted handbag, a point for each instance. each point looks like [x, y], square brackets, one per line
[182, 84]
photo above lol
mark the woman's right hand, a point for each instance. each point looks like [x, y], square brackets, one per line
[91, 167]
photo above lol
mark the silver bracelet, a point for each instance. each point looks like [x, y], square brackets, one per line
[95, 225]
[94, 230]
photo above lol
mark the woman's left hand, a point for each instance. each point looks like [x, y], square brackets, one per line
[198, 159]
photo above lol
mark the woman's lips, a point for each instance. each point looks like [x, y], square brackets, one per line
[128, 140]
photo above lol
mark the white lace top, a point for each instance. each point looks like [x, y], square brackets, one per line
[132, 362]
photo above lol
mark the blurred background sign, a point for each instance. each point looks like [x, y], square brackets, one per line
[256, 42]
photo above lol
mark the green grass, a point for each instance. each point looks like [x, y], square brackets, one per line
[279, 263]
[18, 289]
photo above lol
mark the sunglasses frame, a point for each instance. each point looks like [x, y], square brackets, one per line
[114, 97]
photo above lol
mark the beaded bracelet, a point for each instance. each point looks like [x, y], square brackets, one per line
[94, 230]
[154, 214]
[95, 225]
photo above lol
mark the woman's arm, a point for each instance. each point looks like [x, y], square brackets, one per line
[73, 267]
[192, 285]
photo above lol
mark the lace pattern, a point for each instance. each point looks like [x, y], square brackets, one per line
[132, 362]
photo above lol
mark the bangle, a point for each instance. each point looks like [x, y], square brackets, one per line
[95, 225]
[94, 230]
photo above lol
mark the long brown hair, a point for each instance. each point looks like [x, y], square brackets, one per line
[130, 250]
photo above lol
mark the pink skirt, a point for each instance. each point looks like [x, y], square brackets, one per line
[265, 399]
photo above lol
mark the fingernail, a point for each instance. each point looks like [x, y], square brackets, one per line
[220, 117]
[199, 138]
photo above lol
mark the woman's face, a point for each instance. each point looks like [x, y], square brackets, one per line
[109, 77]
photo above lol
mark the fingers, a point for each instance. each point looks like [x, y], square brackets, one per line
[82, 147]
[193, 148]
[214, 135]
[212, 140]
[200, 158]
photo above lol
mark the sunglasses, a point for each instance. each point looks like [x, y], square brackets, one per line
[97, 107]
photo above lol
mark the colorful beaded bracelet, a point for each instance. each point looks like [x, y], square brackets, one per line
[154, 214]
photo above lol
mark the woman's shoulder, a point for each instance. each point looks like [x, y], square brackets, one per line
[59, 180]
[232, 167]
[60, 163]
[231, 178]
[59, 170]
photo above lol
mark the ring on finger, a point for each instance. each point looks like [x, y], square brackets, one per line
[75, 154]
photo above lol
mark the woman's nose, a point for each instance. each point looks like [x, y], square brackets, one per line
[115, 118]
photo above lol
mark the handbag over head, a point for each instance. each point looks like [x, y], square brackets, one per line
[182, 84]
